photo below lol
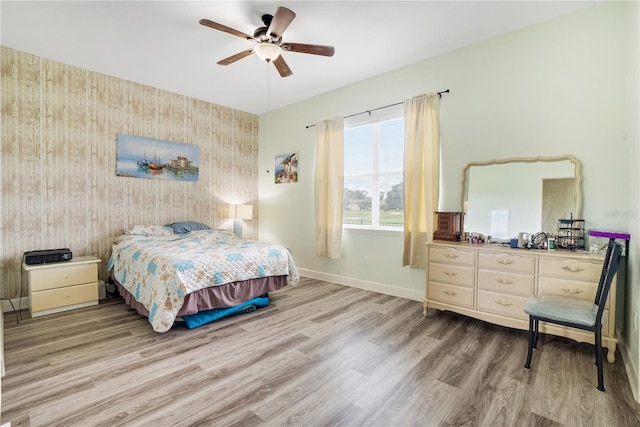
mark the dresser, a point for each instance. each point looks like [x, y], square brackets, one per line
[62, 286]
[491, 282]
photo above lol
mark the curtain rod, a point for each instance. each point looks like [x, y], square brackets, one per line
[380, 108]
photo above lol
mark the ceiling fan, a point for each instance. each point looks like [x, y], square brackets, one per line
[269, 45]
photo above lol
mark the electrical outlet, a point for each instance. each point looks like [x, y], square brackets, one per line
[365, 260]
[634, 321]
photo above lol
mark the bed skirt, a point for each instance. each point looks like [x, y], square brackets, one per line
[227, 295]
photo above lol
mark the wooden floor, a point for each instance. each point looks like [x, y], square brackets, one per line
[319, 355]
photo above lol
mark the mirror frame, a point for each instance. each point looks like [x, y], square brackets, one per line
[577, 173]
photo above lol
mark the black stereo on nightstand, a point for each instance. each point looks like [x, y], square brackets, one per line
[47, 256]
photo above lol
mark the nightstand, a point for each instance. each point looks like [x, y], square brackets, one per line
[62, 286]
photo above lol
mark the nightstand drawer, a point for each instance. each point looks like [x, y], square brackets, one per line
[66, 275]
[61, 297]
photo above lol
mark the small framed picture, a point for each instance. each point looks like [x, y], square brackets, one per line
[286, 168]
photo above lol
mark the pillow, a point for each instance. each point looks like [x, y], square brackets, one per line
[187, 226]
[150, 230]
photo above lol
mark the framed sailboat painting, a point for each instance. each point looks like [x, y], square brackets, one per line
[141, 157]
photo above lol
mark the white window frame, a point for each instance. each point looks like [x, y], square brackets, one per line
[375, 118]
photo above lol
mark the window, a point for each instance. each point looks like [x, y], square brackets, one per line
[373, 169]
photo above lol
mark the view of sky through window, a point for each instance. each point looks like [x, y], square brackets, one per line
[373, 167]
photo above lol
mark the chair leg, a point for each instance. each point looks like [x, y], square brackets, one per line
[527, 364]
[599, 359]
[537, 331]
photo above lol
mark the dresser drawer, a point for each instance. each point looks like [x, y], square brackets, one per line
[66, 275]
[605, 325]
[582, 290]
[450, 294]
[507, 262]
[60, 297]
[505, 305]
[510, 283]
[452, 255]
[448, 273]
[571, 268]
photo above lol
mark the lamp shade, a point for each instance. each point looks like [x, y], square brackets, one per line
[244, 211]
[241, 211]
[267, 51]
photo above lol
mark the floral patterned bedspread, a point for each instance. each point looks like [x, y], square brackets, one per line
[159, 270]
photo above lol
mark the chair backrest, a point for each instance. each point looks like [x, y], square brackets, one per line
[609, 270]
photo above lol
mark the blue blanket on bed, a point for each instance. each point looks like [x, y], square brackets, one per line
[208, 316]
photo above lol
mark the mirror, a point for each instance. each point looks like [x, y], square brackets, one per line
[509, 196]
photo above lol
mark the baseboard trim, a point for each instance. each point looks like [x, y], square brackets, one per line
[381, 288]
[24, 305]
[629, 365]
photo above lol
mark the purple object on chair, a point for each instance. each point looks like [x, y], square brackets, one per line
[609, 234]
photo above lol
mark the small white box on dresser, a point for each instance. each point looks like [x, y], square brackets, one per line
[62, 286]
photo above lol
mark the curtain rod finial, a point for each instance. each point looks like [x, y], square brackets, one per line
[440, 93]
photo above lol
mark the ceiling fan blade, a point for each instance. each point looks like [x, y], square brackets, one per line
[234, 58]
[314, 49]
[216, 26]
[282, 67]
[280, 22]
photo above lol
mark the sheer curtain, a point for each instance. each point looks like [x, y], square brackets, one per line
[421, 175]
[329, 186]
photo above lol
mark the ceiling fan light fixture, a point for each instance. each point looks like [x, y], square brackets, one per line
[268, 52]
[268, 41]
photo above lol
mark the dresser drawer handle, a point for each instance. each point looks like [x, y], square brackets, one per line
[503, 303]
[450, 293]
[505, 261]
[450, 273]
[454, 256]
[576, 291]
[504, 282]
[572, 270]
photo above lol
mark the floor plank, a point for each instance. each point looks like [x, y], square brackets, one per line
[319, 355]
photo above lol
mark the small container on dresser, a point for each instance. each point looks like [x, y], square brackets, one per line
[62, 286]
[571, 233]
[449, 226]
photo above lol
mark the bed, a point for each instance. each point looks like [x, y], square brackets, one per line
[166, 276]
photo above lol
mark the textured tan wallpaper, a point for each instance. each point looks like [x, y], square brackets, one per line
[59, 184]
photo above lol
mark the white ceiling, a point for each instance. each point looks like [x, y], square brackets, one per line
[161, 43]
